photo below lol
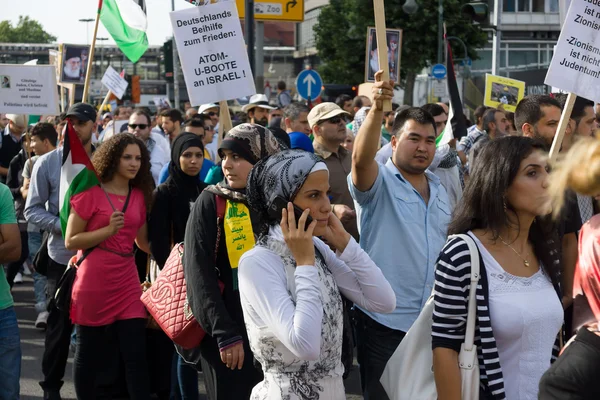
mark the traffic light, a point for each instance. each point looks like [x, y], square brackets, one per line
[168, 59]
[476, 11]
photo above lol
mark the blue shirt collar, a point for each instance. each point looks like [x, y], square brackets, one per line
[431, 177]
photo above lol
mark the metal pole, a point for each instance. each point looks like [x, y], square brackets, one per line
[259, 71]
[249, 31]
[440, 32]
[175, 68]
[497, 37]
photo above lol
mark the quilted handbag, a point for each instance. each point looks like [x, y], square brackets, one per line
[166, 300]
[408, 375]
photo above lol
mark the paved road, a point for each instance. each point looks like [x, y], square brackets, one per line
[32, 346]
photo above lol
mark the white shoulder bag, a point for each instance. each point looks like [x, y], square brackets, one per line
[408, 374]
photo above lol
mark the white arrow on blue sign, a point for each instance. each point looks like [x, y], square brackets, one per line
[438, 71]
[309, 84]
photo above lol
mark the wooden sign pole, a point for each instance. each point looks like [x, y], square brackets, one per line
[562, 127]
[382, 50]
[88, 74]
[225, 123]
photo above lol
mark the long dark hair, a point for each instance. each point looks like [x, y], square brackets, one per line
[482, 204]
[106, 162]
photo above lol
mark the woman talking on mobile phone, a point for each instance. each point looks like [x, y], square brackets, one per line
[290, 282]
[103, 225]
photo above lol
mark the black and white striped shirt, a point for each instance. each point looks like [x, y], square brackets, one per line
[451, 296]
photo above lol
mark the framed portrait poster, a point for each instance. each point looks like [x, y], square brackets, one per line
[394, 47]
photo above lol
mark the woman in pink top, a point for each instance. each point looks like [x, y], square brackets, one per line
[107, 291]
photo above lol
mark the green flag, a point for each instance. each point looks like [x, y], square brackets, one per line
[126, 22]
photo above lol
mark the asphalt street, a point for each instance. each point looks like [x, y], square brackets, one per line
[32, 347]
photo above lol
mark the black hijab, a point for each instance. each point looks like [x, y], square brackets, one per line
[188, 186]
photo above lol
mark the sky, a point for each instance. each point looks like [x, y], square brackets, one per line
[61, 18]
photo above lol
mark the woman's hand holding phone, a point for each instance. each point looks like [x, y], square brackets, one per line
[335, 235]
[298, 237]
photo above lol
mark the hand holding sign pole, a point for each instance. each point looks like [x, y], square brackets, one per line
[382, 51]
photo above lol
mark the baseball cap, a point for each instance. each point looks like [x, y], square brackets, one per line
[324, 111]
[82, 111]
[106, 115]
[20, 120]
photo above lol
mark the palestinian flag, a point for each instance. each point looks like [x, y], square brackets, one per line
[77, 173]
[126, 22]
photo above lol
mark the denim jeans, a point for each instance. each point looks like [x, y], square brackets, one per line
[375, 344]
[39, 280]
[10, 355]
[184, 380]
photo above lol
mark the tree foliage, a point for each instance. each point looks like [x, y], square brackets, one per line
[26, 31]
[340, 36]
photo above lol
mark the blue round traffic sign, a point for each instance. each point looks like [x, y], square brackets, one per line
[309, 84]
[438, 71]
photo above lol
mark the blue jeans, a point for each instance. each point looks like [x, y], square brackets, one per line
[10, 355]
[184, 380]
[39, 280]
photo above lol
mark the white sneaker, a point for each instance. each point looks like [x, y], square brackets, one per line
[42, 320]
[18, 278]
[26, 270]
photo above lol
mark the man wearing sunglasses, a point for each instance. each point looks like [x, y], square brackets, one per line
[158, 146]
[328, 125]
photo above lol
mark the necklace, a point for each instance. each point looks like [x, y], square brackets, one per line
[525, 261]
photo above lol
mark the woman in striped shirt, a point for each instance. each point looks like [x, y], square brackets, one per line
[519, 313]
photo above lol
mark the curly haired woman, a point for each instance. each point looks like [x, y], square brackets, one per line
[103, 225]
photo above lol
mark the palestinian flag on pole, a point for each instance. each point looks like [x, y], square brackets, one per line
[77, 173]
[126, 22]
[456, 126]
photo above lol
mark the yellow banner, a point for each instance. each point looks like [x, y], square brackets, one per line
[238, 231]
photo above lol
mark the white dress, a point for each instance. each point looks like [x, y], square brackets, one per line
[526, 316]
[294, 315]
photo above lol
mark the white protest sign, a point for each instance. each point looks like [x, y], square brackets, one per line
[114, 82]
[575, 66]
[212, 52]
[28, 89]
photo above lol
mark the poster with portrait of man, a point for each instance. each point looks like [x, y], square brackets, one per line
[74, 63]
[394, 47]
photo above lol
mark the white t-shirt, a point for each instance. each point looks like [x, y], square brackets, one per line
[526, 315]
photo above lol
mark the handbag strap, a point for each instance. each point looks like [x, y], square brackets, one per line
[475, 275]
[221, 203]
[88, 251]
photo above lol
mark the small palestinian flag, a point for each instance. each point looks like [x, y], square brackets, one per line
[77, 173]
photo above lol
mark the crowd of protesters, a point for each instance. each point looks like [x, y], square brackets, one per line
[348, 214]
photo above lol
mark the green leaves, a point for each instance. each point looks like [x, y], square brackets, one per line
[26, 31]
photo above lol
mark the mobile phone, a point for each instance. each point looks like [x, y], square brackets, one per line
[279, 203]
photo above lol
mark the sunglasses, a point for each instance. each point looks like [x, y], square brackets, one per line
[141, 126]
[211, 114]
[334, 120]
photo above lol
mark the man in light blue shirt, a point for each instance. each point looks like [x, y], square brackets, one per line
[403, 214]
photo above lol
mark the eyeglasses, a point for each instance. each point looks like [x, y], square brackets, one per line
[334, 120]
[209, 128]
[141, 126]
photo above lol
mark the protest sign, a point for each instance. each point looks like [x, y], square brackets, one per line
[28, 89]
[503, 91]
[394, 49]
[212, 52]
[73, 60]
[575, 66]
[114, 82]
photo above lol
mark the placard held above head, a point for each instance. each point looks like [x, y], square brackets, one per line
[28, 89]
[575, 66]
[213, 53]
[114, 82]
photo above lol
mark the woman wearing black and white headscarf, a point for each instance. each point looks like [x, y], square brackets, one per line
[290, 283]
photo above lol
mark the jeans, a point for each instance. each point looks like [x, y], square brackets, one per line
[184, 380]
[39, 280]
[131, 337]
[58, 334]
[375, 345]
[10, 355]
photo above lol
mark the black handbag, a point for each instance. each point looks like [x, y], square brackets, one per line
[41, 259]
[64, 288]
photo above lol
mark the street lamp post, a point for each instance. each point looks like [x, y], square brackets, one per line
[102, 39]
[87, 28]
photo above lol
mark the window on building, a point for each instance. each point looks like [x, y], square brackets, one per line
[306, 36]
